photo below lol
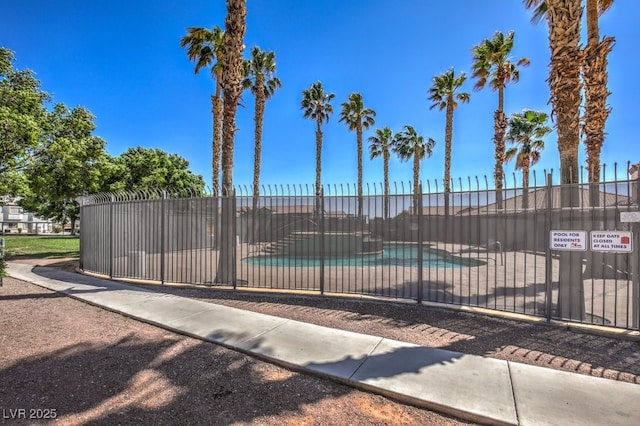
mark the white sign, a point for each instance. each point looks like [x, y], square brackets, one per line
[612, 241]
[629, 216]
[568, 240]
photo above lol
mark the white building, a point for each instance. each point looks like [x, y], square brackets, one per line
[13, 219]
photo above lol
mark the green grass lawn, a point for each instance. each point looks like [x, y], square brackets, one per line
[47, 247]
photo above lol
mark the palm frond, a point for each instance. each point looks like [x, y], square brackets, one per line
[539, 9]
[354, 114]
[492, 63]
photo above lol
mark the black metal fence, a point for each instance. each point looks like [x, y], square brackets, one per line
[511, 256]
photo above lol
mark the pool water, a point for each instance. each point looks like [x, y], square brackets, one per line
[402, 255]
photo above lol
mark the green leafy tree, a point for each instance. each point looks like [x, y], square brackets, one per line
[22, 116]
[527, 130]
[259, 78]
[379, 146]
[493, 64]
[69, 164]
[316, 105]
[444, 96]
[408, 144]
[142, 168]
[206, 48]
[357, 118]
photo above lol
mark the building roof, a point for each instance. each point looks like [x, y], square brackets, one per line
[292, 210]
[439, 210]
[538, 200]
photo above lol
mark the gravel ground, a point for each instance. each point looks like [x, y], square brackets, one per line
[94, 366]
[83, 365]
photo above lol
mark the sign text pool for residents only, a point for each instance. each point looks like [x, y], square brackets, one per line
[568, 240]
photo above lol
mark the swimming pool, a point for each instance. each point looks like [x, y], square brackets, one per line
[402, 255]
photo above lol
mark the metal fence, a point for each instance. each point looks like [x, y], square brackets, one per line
[472, 250]
[2, 261]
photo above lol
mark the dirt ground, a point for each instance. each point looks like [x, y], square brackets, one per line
[94, 366]
[65, 362]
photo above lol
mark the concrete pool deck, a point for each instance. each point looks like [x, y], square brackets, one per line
[512, 281]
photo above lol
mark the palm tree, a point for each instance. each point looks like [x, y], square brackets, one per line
[357, 117]
[379, 146]
[563, 17]
[259, 78]
[232, 86]
[492, 64]
[206, 48]
[409, 144]
[527, 130]
[443, 95]
[594, 73]
[316, 105]
[595, 76]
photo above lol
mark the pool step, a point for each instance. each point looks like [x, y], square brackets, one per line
[280, 246]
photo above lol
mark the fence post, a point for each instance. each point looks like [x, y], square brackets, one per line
[162, 237]
[635, 272]
[111, 202]
[82, 254]
[420, 247]
[322, 247]
[548, 281]
[1, 258]
[234, 230]
[635, 265]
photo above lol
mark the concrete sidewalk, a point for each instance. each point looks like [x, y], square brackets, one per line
[472, 387]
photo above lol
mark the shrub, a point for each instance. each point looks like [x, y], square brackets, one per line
[57, 229]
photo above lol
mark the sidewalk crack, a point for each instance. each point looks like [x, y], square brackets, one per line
[366, 358]
[513, 393]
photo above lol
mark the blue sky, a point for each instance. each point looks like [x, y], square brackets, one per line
[122, 60]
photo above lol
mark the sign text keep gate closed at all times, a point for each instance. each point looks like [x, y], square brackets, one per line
[600, 241]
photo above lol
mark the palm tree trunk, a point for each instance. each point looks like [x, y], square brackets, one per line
[359, 148]
[259, 114]
[593, 30]
[318, 167]
[416, 183]
[448, 137]
[596, 110]
[525, 184]
[590, 75]
[564, 82]
[387, 201]
[594, 71]
[217, 110]
[500, 128]
[232, 86]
